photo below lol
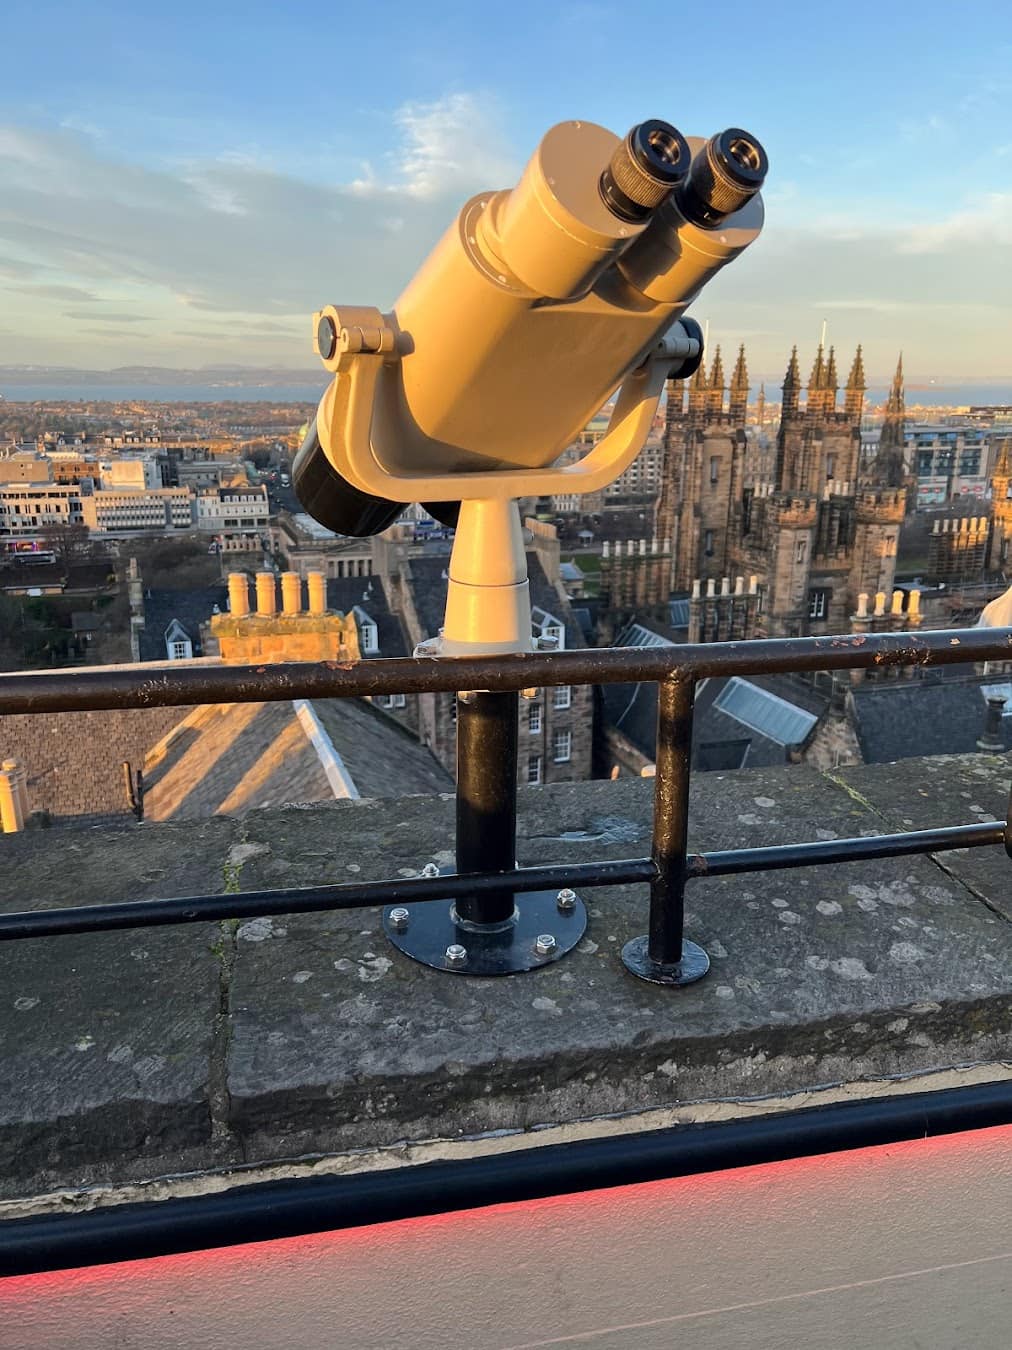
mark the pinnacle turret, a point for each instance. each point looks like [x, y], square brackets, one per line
[739, 389]
[831, 379]
[853, 404]
[889, 468]
[715, 399]
[792, 384]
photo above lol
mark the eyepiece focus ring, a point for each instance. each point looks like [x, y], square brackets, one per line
[646, 167]
[726, 173]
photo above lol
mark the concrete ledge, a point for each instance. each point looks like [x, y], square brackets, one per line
[309, 1035]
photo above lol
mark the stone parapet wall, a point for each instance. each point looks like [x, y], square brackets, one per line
[130, 1055]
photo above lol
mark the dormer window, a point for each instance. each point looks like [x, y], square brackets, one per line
[178, 645]
[368, 633]
[548, 626]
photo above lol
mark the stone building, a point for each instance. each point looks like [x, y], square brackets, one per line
[809, 541]
[556, 725]
[1000, 557]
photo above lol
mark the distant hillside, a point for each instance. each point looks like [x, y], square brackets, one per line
[228, 376]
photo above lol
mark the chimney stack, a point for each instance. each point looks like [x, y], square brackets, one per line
[267, 600]
[317, 593]
[238, 594]
[291, 592]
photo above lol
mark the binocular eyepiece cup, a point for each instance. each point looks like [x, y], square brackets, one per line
[728, 171]
[646, 167]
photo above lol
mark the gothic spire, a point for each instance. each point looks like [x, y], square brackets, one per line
[792, 380]
[831, 380]
[791, 385]
[717, 371]
[889, 467]
[739, 380]
[855, 380]
[818, 376]
[739, 390]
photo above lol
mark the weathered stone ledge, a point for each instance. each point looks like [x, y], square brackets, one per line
[126, 1056]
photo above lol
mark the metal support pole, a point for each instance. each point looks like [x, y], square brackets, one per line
[498, 930]
[487, 798]
[663, 956]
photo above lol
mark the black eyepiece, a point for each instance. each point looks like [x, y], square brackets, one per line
[728, 171]
[645, 168]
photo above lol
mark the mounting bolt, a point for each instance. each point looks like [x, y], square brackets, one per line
[430, 870]
[544, 944]
[566, 900]
[456, 954]
[399, 919]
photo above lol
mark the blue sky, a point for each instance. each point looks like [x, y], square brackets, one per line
[183, 185]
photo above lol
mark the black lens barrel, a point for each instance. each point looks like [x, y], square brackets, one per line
[646, 167]
[726, 173]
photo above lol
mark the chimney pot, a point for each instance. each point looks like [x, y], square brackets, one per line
[862, 605]
[897, 602]
[238, 594]
[267, 602]
[317, 593]
[695, 589]
[753, 585]
[291, 592]
[711, 588]
[880, 604]
[739, 585]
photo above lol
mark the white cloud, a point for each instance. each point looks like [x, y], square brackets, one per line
[987, 222]
[234, 242]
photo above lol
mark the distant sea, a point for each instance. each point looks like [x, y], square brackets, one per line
[162, 393]
[939, 395]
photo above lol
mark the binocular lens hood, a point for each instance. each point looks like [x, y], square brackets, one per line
[330, 499]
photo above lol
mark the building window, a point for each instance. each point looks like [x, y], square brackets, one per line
[760, 599]
[534, 719]
[180, 651]
[369, 637]
[714, 468]
[562, 697]
[800, 550]
[534, 769]
[562, 746]
[554, 631]
[818, 603]
[708, 543]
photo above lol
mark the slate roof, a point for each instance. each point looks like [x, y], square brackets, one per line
[190, 608]
[900, 719]
[344, 593]
[719, 740]
[429, 584]
[231, 758]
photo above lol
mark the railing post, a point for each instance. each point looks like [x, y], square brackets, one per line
[663, 955]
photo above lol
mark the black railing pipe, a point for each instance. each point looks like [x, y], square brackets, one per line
[184, 684]
[422, 890]
[734, 862]
[314, 899]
